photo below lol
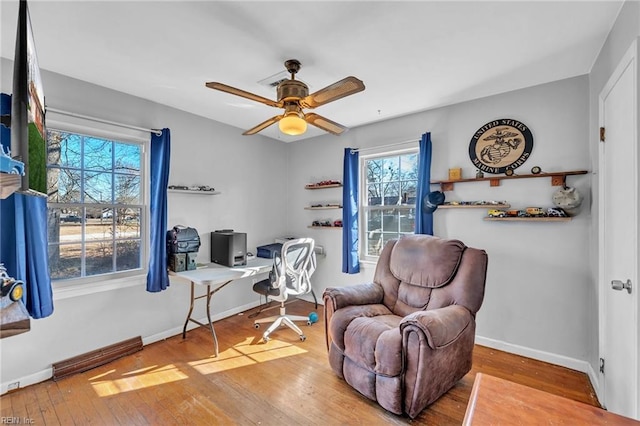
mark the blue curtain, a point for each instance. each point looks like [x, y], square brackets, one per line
[23, 238]
[350, 259]
[157, 277]
[424, 221]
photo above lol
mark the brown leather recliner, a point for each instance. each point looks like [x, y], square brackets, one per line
[407, 338]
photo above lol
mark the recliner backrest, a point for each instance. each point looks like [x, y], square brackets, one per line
[421, 272]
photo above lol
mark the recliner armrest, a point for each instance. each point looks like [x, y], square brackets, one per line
[440, 326]
[361, 294]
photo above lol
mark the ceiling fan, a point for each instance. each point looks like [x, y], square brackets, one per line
[293, 96]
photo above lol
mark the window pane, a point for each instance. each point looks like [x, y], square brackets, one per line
[391, 193]
[97, 187]
[407, 221]
[64, 225]
[63, 185]
[409, 167]
[99, 229]
[64, 149]
[375, 194]
[128, 255]
[390, 169]
[99, 258]
[408, 191]
[127, 189]
[390, 220]
[65, 260]
[97, 154]
[374, 171]
[127, 158]
[128, 223]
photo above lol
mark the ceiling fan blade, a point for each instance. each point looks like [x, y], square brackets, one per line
[345, 87]
[263, 125]
[243, 93]
[324, 123]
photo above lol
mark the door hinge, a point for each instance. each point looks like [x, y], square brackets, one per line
[602, 365]
[602, 131]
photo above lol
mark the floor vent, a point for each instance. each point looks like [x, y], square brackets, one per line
[96, 358]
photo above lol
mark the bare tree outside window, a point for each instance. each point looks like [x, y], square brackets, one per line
[389, 199]
[95, 205]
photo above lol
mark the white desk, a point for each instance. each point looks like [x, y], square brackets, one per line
[217, 276]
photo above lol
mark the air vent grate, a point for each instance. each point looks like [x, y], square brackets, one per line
[275, 79]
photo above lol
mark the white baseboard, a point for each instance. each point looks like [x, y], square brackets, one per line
[24, 381]
[561, 360]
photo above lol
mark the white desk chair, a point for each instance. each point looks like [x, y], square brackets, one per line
[289, 276]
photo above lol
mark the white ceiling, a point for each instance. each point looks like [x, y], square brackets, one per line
[412, 56]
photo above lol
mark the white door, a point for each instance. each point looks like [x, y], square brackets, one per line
[618, 251]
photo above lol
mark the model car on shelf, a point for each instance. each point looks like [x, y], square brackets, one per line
[496, 213]
[10, 286]
[556, 212]
[338, 223]
[536, 212]
[323, 183]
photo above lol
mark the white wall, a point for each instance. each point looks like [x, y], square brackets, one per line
[539, 296]
[249, 172]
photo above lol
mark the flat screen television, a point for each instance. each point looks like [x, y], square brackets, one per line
[28, 131]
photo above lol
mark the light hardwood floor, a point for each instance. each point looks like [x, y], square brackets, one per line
[283, 382]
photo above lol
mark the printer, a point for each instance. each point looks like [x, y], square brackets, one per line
[229, 248]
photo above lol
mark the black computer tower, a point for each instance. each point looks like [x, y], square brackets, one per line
[229, 248]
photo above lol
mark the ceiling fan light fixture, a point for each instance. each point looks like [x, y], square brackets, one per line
[292, 124]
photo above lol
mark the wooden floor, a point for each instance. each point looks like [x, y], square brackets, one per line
[283, 382]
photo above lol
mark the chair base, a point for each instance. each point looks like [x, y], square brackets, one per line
[280, 320]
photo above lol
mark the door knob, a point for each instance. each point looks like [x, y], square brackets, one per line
[619, 285]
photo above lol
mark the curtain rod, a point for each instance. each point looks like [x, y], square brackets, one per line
[383, 146]
[157, 132]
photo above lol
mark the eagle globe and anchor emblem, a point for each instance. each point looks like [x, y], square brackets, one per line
[501, 146]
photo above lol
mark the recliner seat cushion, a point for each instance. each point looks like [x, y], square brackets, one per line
[343, 318]
[381, 334]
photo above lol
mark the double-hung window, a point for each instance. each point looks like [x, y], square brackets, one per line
[95, 205]
[387, 199]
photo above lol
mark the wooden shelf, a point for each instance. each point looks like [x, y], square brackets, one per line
[323, 208]
[475, 206]
[528, 219]
[9, 183]
[191, 191]
[324, 227]
[337, 185]
[557, 179]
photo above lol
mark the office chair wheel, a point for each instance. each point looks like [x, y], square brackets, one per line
[256, 326]
[309, 323]
[303, 337]
[265, 339]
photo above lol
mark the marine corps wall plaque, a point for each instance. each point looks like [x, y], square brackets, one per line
[500, 145]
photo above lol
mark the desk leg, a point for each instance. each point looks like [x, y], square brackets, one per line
[213, 332]
[184, 329]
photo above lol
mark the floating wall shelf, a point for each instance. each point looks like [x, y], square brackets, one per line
[475, 206]
[9, 183]
[557, 179]
[528, 219]
[336, 185]
[191, 191]
[323, 208]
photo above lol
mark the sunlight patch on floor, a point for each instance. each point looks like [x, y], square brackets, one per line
[157, 376]
[244, 354]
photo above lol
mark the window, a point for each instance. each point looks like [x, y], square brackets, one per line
[388, 199]
[95, 205]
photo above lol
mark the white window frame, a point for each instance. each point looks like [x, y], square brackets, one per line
[73, 287]
[363, 206]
